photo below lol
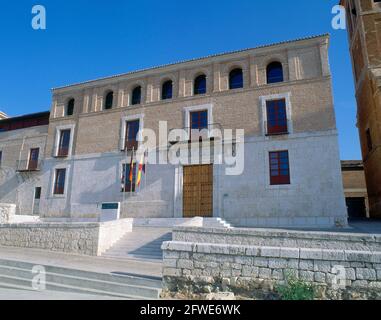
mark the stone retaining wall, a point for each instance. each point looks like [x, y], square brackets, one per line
[197, 268]
[7, 211]
[279, 238]
[79, 238]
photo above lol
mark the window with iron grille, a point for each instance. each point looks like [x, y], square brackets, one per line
[132, 130]
[276, 117]
[64, 143]
[127, 185]
[279, 168]
[59, 183]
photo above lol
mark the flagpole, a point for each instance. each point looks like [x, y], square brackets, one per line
[131, 172]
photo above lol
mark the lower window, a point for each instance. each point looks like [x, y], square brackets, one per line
[128, 178]
[279, 168]
[59, 183]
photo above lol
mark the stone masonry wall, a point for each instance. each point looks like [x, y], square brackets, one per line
[7, 211]
[252, 271]
[78, 238]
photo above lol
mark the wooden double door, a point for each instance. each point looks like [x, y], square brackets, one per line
[198, 191]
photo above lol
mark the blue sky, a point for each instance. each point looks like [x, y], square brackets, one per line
[87, 39]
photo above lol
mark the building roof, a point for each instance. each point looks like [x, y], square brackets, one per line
[25, 121]
[326, 35]
[352, 165]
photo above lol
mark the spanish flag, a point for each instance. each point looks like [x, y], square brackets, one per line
[131, 177]
[140, 170]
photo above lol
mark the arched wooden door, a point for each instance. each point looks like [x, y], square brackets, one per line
[198, 191]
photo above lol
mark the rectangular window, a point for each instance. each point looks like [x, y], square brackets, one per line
[127, 185]
[64, 143]
[279, 168]
[37, 193]
[132, 130]
[59, 183]
[33, 159]
[199, 120]
[276, 117]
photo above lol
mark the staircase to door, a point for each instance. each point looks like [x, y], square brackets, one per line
[198, 191]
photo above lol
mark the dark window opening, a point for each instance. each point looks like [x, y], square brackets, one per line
[167, 90]
[136, 96]
[109, 100]
[70, 107]
[236, 79]
[200, 85]
[279, 168]
[37, 193]
[127, 184]
[132, 131]
[274, 72]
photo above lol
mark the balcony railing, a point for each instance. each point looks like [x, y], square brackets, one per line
[196, 135]
[28, 165]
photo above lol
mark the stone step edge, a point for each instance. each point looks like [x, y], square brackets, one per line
[75, 289]
[80, 278]
[60, 271]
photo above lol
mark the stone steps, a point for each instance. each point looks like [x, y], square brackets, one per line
[142, 243]
[16, 274]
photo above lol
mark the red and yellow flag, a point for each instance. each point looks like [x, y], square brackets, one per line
[140, 170]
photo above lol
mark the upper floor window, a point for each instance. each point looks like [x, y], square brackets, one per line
[274, 72]
[276, 116]
[64, 143]
[236, 79]
[199, 120]
[167, 90]
[200, 85]
[279, 168]
[132, 131]
[70, 107]
[33, 159]
[136, 95]
[109, 100]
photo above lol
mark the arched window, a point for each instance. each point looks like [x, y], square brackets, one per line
[200, 85]
[274, 72]
[236, 79]
[70, 107]
[166, 90]
[109, 100]
[136, 97]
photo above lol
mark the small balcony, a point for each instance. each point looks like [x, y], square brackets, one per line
[28, 166]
